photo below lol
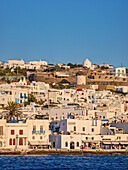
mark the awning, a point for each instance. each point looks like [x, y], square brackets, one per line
[115, 143]
[90, 141]
[124, 143]
[107, 143]
[39, 143]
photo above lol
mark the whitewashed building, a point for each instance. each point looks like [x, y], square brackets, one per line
[87, 63]
[14, 63]
[118, 71]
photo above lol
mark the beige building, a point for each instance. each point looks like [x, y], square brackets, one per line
[38, 133]
[22, 135]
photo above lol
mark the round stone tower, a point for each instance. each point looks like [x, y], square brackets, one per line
[81, 78]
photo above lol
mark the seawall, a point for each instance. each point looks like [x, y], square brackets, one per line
[64, 152]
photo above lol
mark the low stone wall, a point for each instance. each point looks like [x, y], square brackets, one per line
[66, 152]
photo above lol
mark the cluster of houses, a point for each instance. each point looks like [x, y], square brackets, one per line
[74, 118]
[37, 65]
[28, 65]
[66, 119]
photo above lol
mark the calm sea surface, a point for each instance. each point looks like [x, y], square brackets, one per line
[64, 162]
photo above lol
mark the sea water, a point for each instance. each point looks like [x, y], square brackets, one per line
[65, 162]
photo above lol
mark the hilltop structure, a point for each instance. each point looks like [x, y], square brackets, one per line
[87, 63]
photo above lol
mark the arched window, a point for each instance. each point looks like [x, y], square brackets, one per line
[10, 141]
[72, 145]
[14, 141]
[0, 144]
[77, 144]
[66, 144]
[20, 141]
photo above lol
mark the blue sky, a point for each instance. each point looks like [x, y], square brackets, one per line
[62, 31]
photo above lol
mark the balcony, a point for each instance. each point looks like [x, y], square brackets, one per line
[38, 132]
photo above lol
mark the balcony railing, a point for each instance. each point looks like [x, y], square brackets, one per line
[38, 131]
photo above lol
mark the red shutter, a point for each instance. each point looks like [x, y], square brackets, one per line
[20, 141]
[21, 132]
[12, 132]
[10, 141]
[14, 142]
[86, 112]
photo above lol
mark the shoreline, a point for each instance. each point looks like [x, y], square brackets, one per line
[45, 152]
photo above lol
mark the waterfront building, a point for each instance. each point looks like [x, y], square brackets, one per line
[24, 134]
[38, 134]
[81, 134]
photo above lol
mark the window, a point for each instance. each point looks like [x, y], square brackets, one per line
[77, 144]
[0, 144]
[41, 128]
[33, 137]
[1, 130]
[83, 128]
[20, 141]
[86, 138]
[40, 137]
[53, 144]
[12, 132]
[118, 137]
[14, 142]
[74, 128]
[24, 141]
[95, 122]
[92, 122]
[21, 95]
[20, 132]
[10, 141]
[66, 144]
[34, 128]
[92, 129]
[92, 138]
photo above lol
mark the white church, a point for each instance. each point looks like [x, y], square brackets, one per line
[87, 63]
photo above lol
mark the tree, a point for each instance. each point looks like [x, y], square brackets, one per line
[3, 79]
[31, 98]
[8, 81]
[13, 110]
